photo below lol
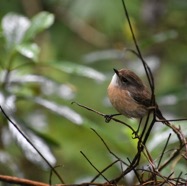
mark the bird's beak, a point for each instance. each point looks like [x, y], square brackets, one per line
[116, 71]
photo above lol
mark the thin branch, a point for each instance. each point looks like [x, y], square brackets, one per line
[131, 167]
[135, 172]
[167, 180]
[163, 151]
[108, 147]
[29, 141]
[178, 178]
[51, 173]
[26, 182]
[148, 72]
[93, 166]
[105, 169]
[21, 181]
[175, 154]
[104, 115]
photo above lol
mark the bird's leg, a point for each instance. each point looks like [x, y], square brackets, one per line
[137, 131]
[108, 117]
[139, 125]
[153, 107]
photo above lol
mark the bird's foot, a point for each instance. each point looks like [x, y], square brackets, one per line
[108, 117]
[135, 134]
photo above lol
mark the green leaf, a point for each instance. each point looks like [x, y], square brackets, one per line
[29, 50]
[30, 153]
[39, 23]
[64, 111]
[80, 70]
[49, 140]
[14, 27]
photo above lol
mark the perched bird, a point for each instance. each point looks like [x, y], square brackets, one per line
[130, 96]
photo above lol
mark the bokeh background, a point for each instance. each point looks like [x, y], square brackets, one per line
[54, 52]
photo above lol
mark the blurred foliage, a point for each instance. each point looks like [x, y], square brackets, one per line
[54, 52]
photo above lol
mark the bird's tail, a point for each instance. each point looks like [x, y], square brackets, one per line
[161, 117]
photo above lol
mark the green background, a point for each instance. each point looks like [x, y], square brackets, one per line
[68, 55]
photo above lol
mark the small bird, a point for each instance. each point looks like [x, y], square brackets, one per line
[130, 96]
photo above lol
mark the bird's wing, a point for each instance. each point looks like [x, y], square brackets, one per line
[143, 98]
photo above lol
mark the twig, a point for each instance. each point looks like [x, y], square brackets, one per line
[51, 173]
[21, 181]
[178, 178]
[163, 151]
[135, 172]
[108, 147]
[29, 141]
[106, 168]
[167, 180]
[26, 182]
[147, 70]
[175, 154]
[104, 115]
[94, 166]
[131, 167]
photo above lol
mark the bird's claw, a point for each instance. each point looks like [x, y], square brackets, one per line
[135, 133]
[108, 118]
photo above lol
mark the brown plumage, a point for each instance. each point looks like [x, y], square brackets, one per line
[128, 94]
[130, 97]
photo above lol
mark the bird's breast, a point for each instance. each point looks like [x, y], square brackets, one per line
[124, 103]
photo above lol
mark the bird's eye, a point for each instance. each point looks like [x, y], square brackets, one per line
[125, 80]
